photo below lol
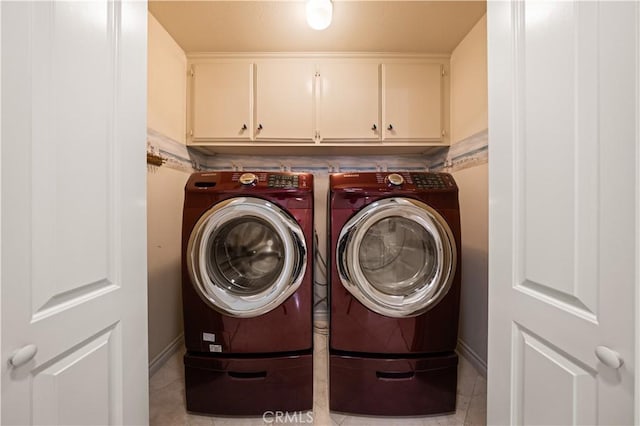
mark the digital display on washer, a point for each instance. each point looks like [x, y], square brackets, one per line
[282, 181]
[428, 181]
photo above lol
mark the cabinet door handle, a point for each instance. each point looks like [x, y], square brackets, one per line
[259, 126]
[374, 127]
[390, 127]
[244, 127]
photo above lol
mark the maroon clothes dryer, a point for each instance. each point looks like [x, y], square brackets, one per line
[247, 292]
[394, 293]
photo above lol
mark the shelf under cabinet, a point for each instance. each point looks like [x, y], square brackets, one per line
[311, 148]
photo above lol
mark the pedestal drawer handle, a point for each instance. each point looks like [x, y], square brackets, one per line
[395, 375]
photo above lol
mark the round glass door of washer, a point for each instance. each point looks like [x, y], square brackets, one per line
[397, 256]
[245, 256]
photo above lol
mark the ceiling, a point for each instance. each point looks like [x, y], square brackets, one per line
[279, 26]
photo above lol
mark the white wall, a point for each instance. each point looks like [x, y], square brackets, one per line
[165, 193]
[468, 118]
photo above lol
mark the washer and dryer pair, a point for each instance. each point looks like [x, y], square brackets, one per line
[247, 291]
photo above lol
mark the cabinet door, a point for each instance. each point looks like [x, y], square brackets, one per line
[349, 101]
[222, 96]
[285, 101]
[411, 101]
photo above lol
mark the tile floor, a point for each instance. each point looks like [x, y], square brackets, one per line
[166, 399]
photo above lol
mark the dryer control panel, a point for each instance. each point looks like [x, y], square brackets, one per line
[393, 181]
[411, 180]
[283, 181]
[432, 180]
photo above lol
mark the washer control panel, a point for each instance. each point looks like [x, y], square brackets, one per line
[431, 180]
[283, 181]
[242, 181]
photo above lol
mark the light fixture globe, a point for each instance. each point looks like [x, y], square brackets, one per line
[319, 13]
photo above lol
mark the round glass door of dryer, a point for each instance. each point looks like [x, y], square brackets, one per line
[246, 256]
[397, 256]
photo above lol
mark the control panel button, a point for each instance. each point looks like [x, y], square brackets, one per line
[248, 179]
[395, 179]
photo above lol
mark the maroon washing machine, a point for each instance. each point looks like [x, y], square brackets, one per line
[247, 292]
[394, 293]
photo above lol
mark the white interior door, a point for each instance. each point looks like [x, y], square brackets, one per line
[563, 117]
[73, 213]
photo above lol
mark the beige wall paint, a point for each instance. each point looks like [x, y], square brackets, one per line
[469, 84]
[165, 192]
[165, 196]
[167, 84]
[474, 217]
[468, 117]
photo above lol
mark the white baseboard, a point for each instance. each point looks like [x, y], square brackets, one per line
[165, 354]
[471, 356]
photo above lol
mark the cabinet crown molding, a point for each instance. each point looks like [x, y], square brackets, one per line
[316, 55]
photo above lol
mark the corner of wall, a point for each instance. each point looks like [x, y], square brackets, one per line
[467, 158]
[166, 130]
[468, 108]
[167, 83]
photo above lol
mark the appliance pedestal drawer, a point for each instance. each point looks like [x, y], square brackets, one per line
[393, 386]
[248, 386]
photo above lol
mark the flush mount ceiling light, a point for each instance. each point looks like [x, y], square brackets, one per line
[319, 13]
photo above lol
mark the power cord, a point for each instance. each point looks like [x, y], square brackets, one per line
[322, 268]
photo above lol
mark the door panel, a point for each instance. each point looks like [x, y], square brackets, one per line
[222, 96]
[563, 117]
[553, 387]
[559, 197]
[73, 212]
[71, 263]
[284, 100]
[56, 395]
[349, 101]
[411, 101]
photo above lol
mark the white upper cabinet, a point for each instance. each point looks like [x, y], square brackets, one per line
[222, 97]
[412, 101]
[321, 104]
[349, 101]
[284, 100]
